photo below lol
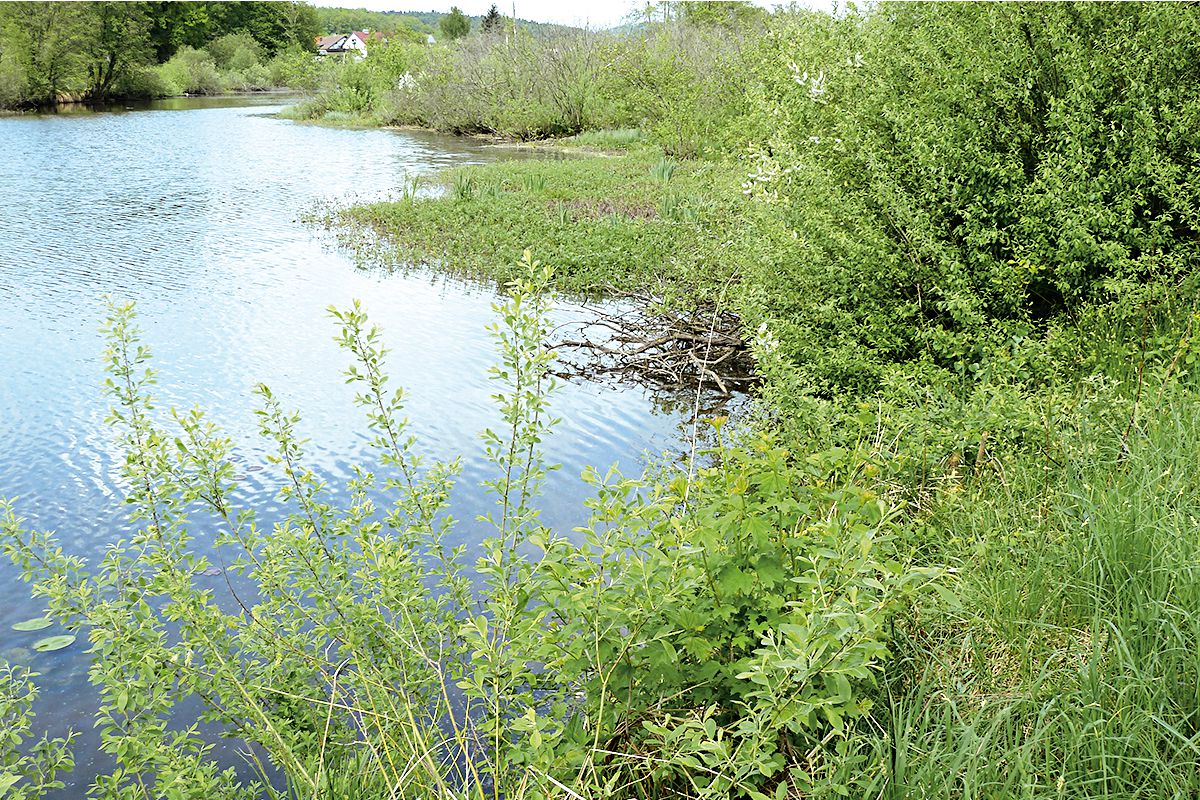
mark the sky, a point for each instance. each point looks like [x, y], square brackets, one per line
[594, 14]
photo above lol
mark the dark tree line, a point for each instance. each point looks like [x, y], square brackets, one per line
[92, 50]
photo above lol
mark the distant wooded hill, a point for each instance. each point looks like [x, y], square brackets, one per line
[340, 20]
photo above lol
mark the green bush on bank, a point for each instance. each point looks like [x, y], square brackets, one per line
[191, 71]
[640, 653]
[235, 51]
[682, 84]
[237, 69]
[295, 68]
[13, 85]
[956, 176]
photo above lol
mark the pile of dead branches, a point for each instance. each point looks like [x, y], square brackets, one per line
[641, 339]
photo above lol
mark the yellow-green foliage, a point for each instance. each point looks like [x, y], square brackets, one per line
[191, 71]
[28, 769]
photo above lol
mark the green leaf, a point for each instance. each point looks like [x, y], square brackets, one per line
[7, 781]
[735, 581]
[35, 624]
[51, 643]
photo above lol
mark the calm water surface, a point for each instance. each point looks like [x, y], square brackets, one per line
[192, 210]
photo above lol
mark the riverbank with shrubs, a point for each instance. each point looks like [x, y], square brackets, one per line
[95, 52]
[954, 553]
[966, 256]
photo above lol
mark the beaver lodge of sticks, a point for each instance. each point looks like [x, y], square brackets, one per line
[643, 340]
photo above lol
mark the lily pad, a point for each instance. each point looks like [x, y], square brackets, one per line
[33, 624]
[51, 643]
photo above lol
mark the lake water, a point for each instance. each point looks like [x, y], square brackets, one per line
[192, 209]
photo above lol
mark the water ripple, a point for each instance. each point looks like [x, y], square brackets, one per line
[192, 213]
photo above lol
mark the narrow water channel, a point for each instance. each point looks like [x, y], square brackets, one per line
[192, 209]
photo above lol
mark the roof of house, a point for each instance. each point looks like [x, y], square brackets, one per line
[377, 35]
[333, 42]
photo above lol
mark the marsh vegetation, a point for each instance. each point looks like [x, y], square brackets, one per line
[953, 553]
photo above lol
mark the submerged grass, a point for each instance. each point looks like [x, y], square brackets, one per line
[613, 139]
[301, 112]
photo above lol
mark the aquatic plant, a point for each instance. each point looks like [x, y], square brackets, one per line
[533, 182]
[663, 170]
[464, 186]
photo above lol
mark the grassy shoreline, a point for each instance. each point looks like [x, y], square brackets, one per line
[955, 554]
[635, 220]
[1037, 628]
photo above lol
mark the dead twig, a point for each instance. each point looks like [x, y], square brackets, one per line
[656, 345]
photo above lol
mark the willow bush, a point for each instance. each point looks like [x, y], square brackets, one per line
[957, 175]
[684, 84]
[715, 633]
[28, 769]
[515, 85]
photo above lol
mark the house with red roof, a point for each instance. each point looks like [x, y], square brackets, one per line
[361, 40]
[355, 43]
[334, 44]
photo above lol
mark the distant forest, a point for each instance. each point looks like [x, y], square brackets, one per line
[51, 52]
[343, 20]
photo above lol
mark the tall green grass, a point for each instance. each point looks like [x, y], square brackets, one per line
[1072, 668]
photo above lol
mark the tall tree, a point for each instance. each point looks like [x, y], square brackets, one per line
[454, 25]
[492, 22]
[176, 24]
[117, 40]
[300, 25]
[44, 39]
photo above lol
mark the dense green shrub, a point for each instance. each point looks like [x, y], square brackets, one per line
[254, 78]
[295, 68]
[13, 87]
[521, 86]
[191, 71]
[143, 82]
[684, 84]
[955, 175]
[235, 51]
[741, 617]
